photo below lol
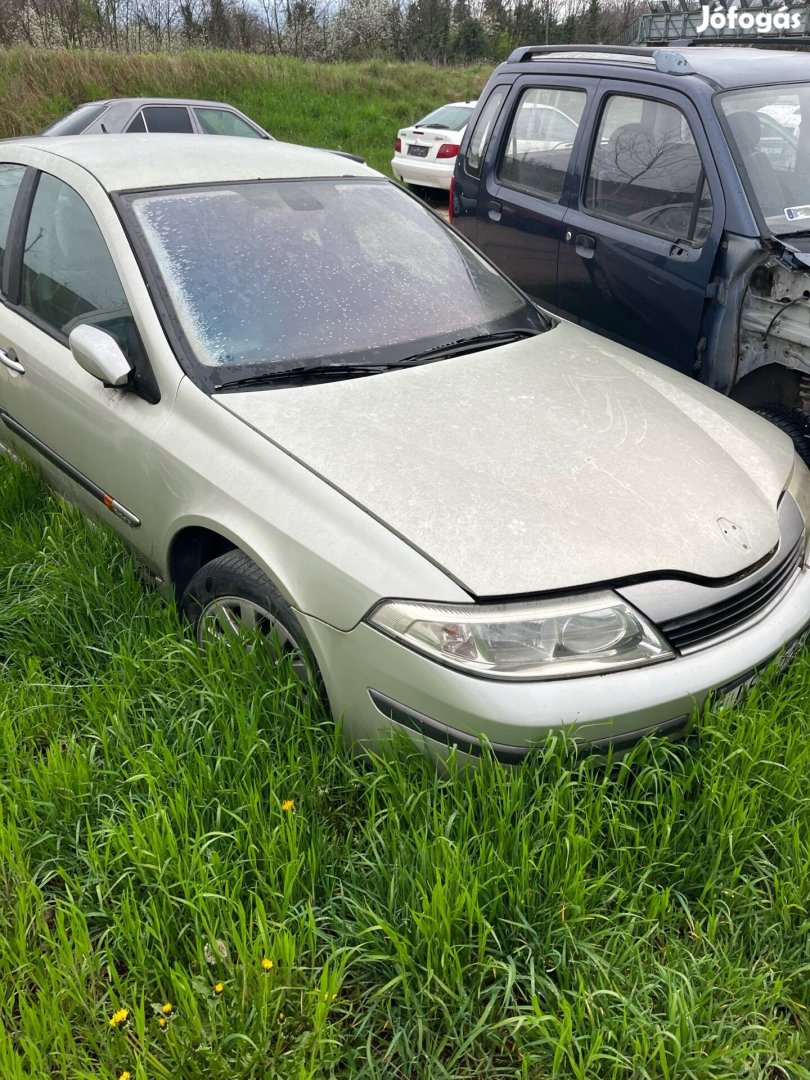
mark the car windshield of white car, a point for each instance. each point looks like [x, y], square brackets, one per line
[268, 275]
[450, 117]
[770, 131]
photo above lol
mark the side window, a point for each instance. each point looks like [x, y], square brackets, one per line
[68, 276]
[10, 180]
[481, 132]
[77, 121]
[224, 122]
[137, 124]
[170, 119]
[646, 171]
[623, 110]
[538, 148]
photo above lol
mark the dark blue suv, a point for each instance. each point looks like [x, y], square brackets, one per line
[661, 197]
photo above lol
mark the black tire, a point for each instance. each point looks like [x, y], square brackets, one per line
[217, 589]
[794, 422]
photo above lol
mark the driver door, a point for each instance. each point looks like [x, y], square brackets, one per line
[93, 443]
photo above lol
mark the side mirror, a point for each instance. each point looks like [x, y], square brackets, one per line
[99, 354]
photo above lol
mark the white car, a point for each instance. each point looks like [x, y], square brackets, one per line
[424, 154]
[542, 127]
[460, 520]
[785, 111]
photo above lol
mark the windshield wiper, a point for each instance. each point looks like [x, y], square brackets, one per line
[304, 372]
[442, 127]
[469, 344]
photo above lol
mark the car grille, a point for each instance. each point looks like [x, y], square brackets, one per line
[709, 623]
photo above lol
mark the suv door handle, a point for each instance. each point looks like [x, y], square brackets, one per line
[585, 245]
[494, 210]
[8, 358]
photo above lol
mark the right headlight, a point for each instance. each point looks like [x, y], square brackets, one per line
[578, 635]
[799, 487]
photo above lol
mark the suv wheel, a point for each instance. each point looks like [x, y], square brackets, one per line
[231, 599]
[794, 422]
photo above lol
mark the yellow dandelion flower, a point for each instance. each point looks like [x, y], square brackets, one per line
[267, 965]
[119, 1017]
[219, 987]
[287, 805]
[167, 1008]
[125, 1075]
[162, 1021]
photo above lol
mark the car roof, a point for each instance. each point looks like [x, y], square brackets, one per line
[731, 67]
[130, 162]
[141, 101]
[726, 67]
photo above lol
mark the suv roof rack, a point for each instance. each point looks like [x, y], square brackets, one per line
[667, 61]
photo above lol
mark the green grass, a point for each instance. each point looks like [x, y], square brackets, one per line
[354, 107]
[559, 920]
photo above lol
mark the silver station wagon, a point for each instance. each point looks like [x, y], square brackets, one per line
[325, 418]
[170, 116]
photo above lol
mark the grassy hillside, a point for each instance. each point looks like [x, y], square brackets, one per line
[354, 107]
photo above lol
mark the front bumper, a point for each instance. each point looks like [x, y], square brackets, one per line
[376, 684]
[423, 173]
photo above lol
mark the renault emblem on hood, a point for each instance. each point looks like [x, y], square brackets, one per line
[735, 535]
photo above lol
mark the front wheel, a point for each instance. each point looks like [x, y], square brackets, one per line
[794, 422]
[230, 599]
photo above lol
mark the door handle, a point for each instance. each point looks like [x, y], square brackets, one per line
[585, 245]
[494, 210]
[8, 358]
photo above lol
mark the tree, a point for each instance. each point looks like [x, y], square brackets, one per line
[366, 27]
[427, 29]
[470, 43]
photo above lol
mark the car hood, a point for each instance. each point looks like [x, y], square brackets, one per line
[555, 462]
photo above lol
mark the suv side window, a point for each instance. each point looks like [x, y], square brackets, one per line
[645, 170]
[541, 140]
[482, 129]
[10, 180]
[68, 275]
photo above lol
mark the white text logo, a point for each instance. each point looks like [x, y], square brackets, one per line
[764, 22]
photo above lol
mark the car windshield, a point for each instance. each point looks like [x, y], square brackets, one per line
[274, 274]
[451, 117]
[773, 147]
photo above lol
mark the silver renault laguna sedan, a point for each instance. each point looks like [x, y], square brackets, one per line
[324, 418]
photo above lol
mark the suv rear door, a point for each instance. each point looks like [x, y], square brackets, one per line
[645, 224]
[525, 180]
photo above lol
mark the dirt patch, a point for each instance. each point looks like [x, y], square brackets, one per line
[437, 200]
